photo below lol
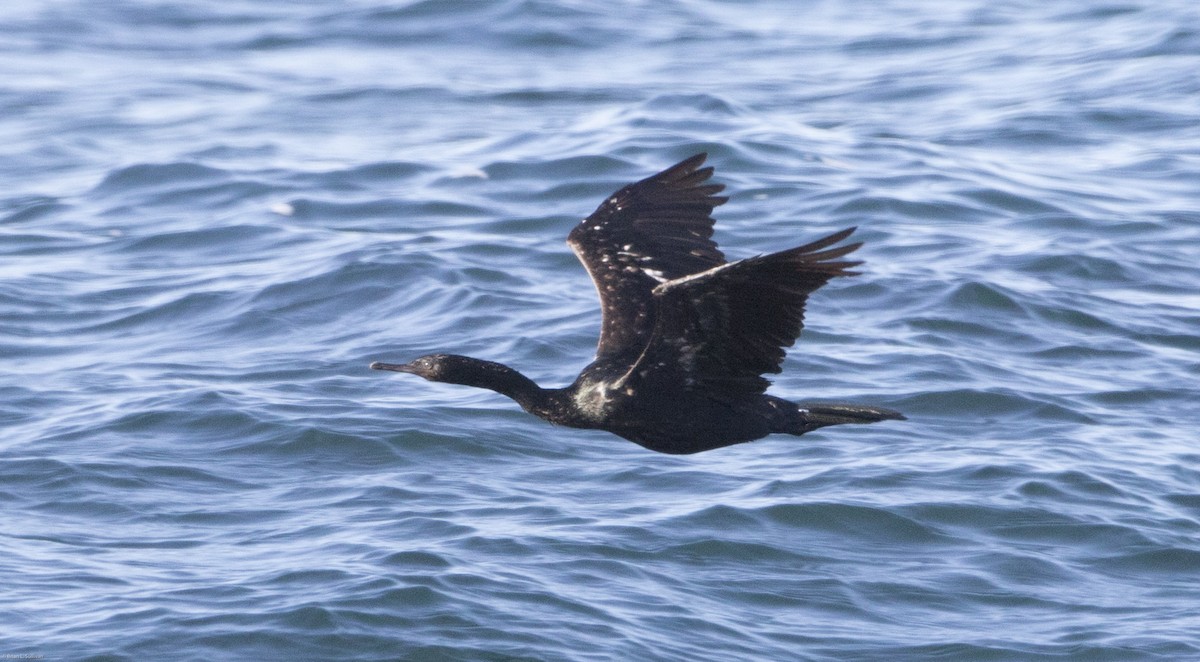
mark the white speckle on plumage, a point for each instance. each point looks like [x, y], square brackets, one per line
[655, 274]
[592, 398]
[687, 355]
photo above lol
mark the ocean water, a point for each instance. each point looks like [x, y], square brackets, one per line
[214, 216]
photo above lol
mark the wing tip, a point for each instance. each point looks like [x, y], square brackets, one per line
[686, 168]
[828, 240]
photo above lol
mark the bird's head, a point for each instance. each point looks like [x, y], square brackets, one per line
[434, 367]
[455, 369]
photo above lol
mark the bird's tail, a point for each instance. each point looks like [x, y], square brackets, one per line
[835, 413]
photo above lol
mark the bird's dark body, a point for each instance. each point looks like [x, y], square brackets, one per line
[667, 420]
[685, 336]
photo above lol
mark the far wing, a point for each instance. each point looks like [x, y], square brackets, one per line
[720, 330]
[647, 233]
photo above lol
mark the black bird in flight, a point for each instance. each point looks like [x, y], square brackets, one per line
[685, 336]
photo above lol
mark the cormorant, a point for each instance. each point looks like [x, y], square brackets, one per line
[685, 336]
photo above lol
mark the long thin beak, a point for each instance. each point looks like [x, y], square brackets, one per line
[394, 367]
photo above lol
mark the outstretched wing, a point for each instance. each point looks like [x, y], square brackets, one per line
[718, 331]
[647, 233]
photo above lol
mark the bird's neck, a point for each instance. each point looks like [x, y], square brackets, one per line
[506, 381]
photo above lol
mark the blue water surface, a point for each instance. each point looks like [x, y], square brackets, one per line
[216, 215]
